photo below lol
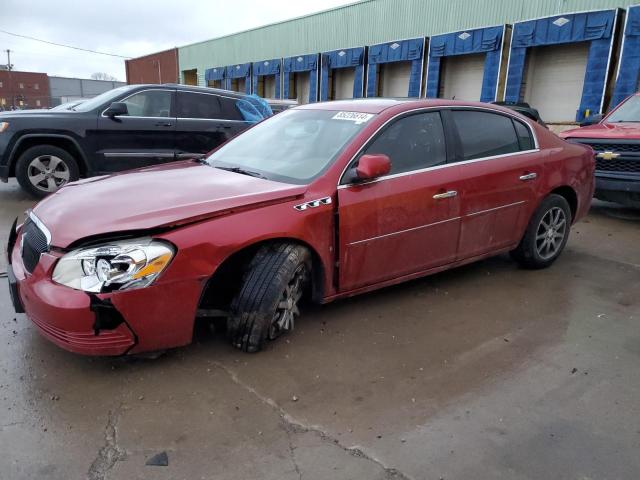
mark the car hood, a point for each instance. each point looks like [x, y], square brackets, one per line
[605, 131]
[162, 196]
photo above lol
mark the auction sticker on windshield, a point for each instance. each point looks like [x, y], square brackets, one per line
[356, 117]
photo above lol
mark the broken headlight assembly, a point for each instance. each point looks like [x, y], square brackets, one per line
[118, 265]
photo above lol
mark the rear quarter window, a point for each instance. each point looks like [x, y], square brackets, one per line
[524, 136]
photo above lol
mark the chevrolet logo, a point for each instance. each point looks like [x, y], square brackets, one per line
[607, 155]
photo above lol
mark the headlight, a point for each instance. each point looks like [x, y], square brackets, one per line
[3, 126]
[120, 265]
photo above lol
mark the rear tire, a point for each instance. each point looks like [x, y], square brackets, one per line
[44, 169]
[268, 301]
[546, 234]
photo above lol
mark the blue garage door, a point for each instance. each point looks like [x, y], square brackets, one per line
[485, 41]
[266, 78]
[239, 77]
[216, 77]
[300, 78]
[628, 80]
[594, 27]
[395, 68]
[342, 74]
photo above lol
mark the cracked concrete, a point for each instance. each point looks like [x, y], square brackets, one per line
[483, 372]
[297, 426]
[110, 453]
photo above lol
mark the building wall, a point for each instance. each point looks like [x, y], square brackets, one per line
[161, 67]
[23, 90]
[369, 22]
[65, 89]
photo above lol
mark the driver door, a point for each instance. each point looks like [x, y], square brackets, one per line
[407, 221]
[145, 136]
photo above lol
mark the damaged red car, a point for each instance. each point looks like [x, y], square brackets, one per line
[319, 202]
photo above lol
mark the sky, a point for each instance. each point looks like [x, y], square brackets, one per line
[130, 28]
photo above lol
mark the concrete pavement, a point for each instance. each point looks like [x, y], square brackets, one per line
[483, 372]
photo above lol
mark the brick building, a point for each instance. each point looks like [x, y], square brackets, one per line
[161, 67]
[23, 90]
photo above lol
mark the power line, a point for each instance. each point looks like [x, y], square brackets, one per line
[62, 45]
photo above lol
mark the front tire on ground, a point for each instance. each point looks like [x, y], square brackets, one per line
[43, 169]
[546, 234]
[269, 298]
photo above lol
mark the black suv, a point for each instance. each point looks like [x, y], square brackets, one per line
[128, 127]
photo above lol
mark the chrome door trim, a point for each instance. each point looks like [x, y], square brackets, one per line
[480, 212]
[139, 154]
[436, 223]
[404, 231]
[436, 167]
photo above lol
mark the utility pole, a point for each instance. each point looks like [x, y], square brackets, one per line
[9, 68]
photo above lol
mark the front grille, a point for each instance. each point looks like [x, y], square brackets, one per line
[34, 244]
[628, 160]
[627, 166]
[615, 147]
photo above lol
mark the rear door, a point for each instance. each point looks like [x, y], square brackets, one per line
[407, 221]
[205, 121]
[500, 169]
[145, 136]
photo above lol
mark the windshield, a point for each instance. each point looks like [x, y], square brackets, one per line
[629, 111]
[95, 102]
[294, 146]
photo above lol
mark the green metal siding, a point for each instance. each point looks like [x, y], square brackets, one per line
[369, 22]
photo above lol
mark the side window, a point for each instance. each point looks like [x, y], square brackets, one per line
[484, 134]
[198, 105]
[524, 136]
[229, 110]
[412, 143]
[150, 103]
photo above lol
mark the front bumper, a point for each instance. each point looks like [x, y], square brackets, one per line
[153, 318]
[611, 184]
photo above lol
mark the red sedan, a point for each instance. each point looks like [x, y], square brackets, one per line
[322, 201]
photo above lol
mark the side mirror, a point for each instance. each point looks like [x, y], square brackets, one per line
[591, 120]
[373, 166]
[115, 109]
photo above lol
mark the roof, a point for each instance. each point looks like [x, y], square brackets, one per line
[378, 105]
[228, 93]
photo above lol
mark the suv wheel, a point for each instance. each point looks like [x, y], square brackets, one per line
[546, 234]
[43, 169]
[269, 299]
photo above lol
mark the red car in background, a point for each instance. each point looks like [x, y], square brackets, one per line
[321, 201]
[616, 141]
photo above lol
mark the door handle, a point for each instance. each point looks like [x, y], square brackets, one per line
[528, 176]
[449, 194]
[164, 124]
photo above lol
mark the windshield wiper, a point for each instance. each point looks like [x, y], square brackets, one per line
[242, 171]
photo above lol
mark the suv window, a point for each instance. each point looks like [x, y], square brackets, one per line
[229, 110]
[412, 142]
[150, 103]
[484, 134]
[198, 105]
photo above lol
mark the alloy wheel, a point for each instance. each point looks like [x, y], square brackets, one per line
[48, 173]
[288, 306]
[551, 232]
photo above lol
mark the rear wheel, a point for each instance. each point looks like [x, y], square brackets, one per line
[268, 302]
[546, 234]
[43, 169]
